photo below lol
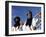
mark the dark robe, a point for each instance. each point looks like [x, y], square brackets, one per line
[17, 24]
[29, 22]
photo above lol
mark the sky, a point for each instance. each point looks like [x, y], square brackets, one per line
[21, 11]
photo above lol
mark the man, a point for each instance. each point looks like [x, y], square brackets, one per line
[28, 23]
[38, 23]
[18, 24]
[29, 19]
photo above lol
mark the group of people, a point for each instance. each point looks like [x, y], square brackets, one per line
[30, 24]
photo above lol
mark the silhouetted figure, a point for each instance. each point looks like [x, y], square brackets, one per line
[17, 22]
[29, 19]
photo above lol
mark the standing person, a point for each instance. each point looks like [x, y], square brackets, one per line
[29, 19]
[38, 23]
[28, 23]
[17, 22]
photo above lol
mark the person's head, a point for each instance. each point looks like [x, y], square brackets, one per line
[29, 14]
[17, 19]
[40, 14]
